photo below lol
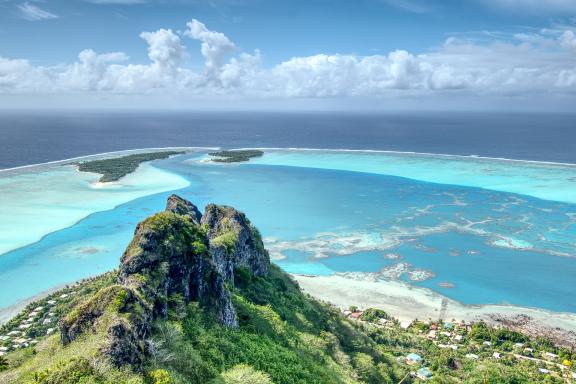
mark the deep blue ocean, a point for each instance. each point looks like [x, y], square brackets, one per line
[37, 137]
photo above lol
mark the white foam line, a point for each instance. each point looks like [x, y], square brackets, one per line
[463, 157]
[125, 151]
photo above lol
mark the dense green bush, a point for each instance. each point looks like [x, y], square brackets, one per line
[373, 315]
[3, 364]
[161, 376]
[244, 374]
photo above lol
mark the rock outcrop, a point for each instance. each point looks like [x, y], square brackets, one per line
[233, 241]
[122, 314]
[178, 255]
[183, 207]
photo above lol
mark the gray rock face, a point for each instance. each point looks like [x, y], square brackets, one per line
[125, 346]
[178, 253]
[234, 241]
[183, 207]
[162, 260]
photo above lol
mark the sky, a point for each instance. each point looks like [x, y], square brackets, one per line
[301, 54]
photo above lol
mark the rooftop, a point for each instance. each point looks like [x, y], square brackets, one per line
[414, 357]
[424, 372]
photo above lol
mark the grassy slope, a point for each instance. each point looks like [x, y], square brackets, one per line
[50, 362]
[291, 337]
[284, 335]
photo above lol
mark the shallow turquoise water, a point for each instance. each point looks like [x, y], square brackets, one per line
[494, 247]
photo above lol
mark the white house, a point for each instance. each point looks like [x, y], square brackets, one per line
[405, 324]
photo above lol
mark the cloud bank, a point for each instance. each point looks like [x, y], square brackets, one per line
[543, 62]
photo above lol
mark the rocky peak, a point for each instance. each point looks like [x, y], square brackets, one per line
[167, 256]
[175, 255]
[183, 207]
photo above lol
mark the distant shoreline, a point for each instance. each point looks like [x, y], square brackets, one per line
[97, 156]
[303, 149]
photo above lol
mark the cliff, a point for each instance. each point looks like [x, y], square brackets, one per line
[176, 257]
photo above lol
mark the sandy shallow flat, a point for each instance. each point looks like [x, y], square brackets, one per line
[37, 203]
[407, 302]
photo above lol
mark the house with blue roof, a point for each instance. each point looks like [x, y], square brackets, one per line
[424, 373]
[413, 359]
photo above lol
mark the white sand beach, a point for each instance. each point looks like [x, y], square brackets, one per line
[406, 302]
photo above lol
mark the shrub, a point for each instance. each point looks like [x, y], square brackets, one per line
[373, 315]
[161, 376]
[74, 371]
[3, 363]
[245, 374]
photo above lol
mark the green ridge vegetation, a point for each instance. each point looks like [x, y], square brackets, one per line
[115, 168]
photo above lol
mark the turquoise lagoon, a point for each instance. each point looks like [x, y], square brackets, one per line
[476, 230]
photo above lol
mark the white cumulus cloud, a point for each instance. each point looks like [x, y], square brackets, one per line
[541, 63]
[568, 40]
[164, 49]
[215, 46]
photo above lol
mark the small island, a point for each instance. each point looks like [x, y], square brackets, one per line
[115, 168]
[235, 156]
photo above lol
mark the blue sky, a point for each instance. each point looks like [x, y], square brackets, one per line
[50, 34]
[280, 29]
